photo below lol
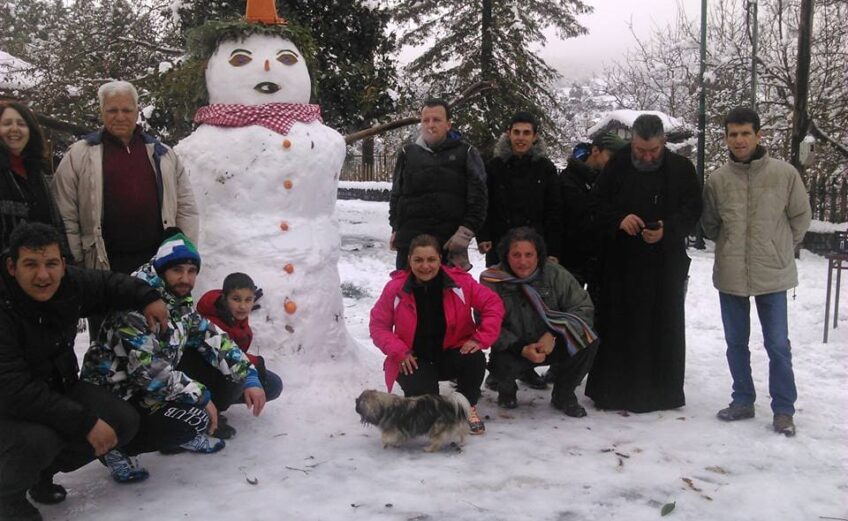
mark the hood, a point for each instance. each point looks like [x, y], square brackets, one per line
[206, 305]
[503, 148]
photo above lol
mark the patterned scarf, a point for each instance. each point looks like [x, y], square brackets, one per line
[574, 330]
[278, 117]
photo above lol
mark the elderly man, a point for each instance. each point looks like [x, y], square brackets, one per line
[118, 188]
[756, 209]
[180, 378]
[648, 201]
[50, 421]
[438, 188]
[547, 322]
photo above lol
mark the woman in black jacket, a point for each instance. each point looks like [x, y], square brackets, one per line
[24, 195]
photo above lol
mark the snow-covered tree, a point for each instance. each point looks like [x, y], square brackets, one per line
[485, 40]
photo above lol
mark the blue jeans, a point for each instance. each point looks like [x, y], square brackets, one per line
[736, 316]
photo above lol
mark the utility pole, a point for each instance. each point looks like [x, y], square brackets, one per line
[702, 115]
[752, 20]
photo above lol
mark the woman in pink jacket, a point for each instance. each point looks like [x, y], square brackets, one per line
[423, 322]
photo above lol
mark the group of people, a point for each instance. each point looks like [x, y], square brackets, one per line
[586, 273]
[111, 238]
[586, 269]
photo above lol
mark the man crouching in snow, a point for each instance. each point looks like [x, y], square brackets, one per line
[176, 379]
[50, 421]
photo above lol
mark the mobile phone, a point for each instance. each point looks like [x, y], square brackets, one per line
[655, 225]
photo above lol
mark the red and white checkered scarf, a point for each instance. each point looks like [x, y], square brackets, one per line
[279, 117]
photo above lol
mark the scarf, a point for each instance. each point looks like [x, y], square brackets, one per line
[576, 333]
[278, 117]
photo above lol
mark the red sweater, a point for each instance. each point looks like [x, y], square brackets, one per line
[238, 330]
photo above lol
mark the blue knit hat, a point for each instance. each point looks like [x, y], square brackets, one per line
[176, 249]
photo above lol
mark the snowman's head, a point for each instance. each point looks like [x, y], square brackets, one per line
[258, 69]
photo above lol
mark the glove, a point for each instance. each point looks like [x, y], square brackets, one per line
[457, 247]
[460, 239]
[256, 296]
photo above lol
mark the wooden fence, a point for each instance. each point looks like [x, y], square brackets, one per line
[355, 169]
[830, 201]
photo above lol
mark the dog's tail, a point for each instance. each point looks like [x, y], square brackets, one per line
[461, 405]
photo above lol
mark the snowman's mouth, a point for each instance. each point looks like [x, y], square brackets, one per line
[266, 87]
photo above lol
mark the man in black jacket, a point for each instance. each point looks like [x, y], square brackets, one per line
[438, 188]
[579, 238]
[50, 421]
[523, 188]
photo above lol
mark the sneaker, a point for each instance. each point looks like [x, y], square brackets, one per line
[46, 492]
[225, 431]
[475, 423]
[17, 508]
[507, 400]
[783, 424]
[203, 444]
[532, 379]
[124, 469]
[736, 412]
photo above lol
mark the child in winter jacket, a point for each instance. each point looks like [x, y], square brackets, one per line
[229, 309]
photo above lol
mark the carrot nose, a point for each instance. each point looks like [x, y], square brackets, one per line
[267, 65]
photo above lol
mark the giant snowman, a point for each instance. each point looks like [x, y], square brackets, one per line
[265, 173]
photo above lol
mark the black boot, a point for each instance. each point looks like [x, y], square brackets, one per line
[225, 431]
[46, 492]
[17, 508]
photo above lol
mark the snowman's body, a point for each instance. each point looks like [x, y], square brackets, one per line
[267, 203]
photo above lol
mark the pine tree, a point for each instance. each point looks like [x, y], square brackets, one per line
[488, 40]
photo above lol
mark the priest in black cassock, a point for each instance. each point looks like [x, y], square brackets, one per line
[648, 200]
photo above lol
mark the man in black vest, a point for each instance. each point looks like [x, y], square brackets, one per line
[50, 421]
[439, 188]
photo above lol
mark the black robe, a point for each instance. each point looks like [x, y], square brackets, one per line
[641, 360]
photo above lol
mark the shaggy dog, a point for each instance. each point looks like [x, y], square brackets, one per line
[442, 418]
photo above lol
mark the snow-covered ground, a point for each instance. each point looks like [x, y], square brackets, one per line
[314, 461]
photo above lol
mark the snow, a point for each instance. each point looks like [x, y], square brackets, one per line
[366, 185]
[314, 461]
[627, 117]
[16, 73]
[826, 227]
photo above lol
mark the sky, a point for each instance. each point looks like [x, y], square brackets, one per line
[609, 35]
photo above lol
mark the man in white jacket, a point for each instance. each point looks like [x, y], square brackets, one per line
[757, 211]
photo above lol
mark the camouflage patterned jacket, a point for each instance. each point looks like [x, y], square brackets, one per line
[135, 364]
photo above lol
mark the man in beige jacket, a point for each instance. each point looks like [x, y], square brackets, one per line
[756, 209]
[118, 189]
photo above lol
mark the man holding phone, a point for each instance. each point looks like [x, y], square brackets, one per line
[648, 199]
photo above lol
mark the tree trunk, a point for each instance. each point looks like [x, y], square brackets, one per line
[800, 118]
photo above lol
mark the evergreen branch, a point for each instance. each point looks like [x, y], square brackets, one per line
[165, 50]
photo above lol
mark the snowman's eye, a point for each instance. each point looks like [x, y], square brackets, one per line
[237, 60]
[287, 57]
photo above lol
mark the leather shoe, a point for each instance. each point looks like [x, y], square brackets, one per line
[47, 493]
[507, 400]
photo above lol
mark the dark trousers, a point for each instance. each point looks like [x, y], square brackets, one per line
[31, 450]
[569, 371]
[168, 426]
[467, 369]
[224, 392]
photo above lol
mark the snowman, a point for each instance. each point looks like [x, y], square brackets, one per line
[265, 171]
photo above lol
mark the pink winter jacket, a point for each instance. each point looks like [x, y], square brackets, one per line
[394, 317]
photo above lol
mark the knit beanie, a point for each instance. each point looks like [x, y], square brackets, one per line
[175, 249]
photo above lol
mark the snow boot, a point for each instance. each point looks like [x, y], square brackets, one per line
[124, 469]
[475, 423]
[736, 412]
[783, 424]
[532, 379]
